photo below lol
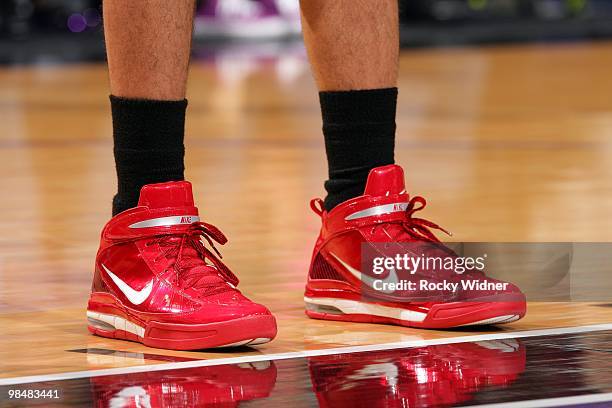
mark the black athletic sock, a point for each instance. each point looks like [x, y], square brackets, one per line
[359, 130]
[148, 137]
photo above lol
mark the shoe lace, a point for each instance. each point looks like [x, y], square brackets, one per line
[190, 255]
[420, 228]
[416, 229]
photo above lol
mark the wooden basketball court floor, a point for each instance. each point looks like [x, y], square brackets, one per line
[509, 143]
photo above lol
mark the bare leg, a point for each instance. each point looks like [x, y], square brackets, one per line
[148, 44]
[352, 44]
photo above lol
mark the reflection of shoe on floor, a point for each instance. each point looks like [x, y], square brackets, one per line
[157, 283]
[382, 218]
[248, 19]
[441, 375]
[192, 387]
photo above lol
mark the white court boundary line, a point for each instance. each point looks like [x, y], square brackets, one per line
[551, 402]
[302, 354]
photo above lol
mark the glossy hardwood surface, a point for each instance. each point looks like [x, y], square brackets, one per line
[507, 144]
[483, 373]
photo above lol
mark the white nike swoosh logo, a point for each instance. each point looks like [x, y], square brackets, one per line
[368, 280]
[134, 296]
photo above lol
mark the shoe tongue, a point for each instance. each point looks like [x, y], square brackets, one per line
[385, 180]
[164, 195]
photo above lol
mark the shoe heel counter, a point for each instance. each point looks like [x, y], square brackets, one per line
[313, 256]
[321, 269]
[97, 282]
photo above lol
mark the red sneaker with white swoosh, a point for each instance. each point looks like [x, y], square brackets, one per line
[383, 218]
[159, 280]
[226, 385]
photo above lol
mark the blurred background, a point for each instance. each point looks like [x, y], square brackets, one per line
[70, 30]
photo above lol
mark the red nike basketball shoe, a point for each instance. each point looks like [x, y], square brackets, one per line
[226, 385]
[157, 282]
[337, 288]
